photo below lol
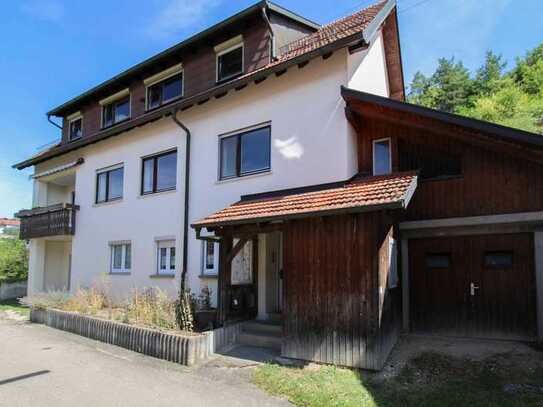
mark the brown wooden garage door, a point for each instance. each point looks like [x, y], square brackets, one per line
[476, 286]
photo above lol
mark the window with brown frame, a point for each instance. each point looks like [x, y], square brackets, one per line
[159, 173]
[76, 128]
[438, 260]
[499, 260]
[109, 185]
[116, 112]
[245, 153]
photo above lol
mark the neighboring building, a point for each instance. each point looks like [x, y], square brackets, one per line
[9, 227]
[316, 196]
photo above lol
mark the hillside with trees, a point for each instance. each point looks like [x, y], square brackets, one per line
[512, 98]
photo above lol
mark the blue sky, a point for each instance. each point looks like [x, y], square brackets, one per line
[52, 50]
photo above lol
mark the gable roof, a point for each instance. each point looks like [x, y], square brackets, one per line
[489, 131]
[329, 38]
[393, 191]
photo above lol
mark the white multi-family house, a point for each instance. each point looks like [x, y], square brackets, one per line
[272, 160]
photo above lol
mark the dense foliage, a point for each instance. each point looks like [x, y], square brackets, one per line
[13, 260]
[512, 98]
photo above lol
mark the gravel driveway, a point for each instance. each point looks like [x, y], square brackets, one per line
[41, 366]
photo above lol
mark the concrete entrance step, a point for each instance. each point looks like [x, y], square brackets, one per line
[262, 327]
[259, 339]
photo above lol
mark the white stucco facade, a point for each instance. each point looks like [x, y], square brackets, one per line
[311, 143]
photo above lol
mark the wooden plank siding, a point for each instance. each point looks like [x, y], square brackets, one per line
[333, 276]
[492, 182]
[199, 70]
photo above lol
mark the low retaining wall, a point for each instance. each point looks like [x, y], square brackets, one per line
[186, 350]
[10, 291]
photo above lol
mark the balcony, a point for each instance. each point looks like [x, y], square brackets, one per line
[55, 220]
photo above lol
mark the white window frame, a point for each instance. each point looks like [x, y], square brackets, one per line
[166, 243]
[239, 44]
[113, 99]
[389, 140]
[123, 269]
[72, 118]
[161, 77]
[215, 270]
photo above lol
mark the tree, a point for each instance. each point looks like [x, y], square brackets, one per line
[13, 260]
[488, 77]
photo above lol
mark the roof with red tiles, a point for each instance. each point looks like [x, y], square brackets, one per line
[332, 36]
[9, 222]
[336, 30]
[362, 195]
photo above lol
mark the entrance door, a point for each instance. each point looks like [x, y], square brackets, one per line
[477, 286]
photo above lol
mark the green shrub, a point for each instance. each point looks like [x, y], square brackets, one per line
[13, 260]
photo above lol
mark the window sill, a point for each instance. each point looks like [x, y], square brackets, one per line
[165, 103]
[243, 177]
[228, 78]
[110, 126]
[73, 140]
[165, 192]
[112, 202]
[167, 276]
[204, 276]
[119, 273]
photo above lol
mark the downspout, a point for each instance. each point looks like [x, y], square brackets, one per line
[53, 123]
[272, 34]
[186, 209]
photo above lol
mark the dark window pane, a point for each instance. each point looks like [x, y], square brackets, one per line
[148, 168]
[228, 156]
[255, 150]
[381, 157]
[115, 184]
[210, 255]
[172, 88]
[231, 63]
[437, 261]
[167, 171]
[155, 96]
[122, 110]
[163, 256]
[108, 115]
[172, 258]
[128, 257]
[499, 259]
[117, 256]
[101, 187]
[75, 129]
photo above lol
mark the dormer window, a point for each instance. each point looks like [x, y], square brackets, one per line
[115, 108]
[382, 163]
[164, 87]
[229, 59]
[75, 126]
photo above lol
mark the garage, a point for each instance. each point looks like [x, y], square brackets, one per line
[473, 286]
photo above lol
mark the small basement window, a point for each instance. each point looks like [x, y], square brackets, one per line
[438, 261]
[116, 112]
[76, 128]
[109, 184]
[230, 62]
[121, 258]
[245, 153]
[166, 257]
[210, 258]
[382, 162]
[499, 259]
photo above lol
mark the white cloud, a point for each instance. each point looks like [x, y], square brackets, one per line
[47, 10]
[178, 15]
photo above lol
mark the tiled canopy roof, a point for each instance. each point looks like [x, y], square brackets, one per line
[372, 193]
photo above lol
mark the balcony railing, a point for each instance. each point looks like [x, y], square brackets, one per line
[56, 220]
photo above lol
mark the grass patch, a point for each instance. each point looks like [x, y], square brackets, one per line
[427, 380]
[13, 305]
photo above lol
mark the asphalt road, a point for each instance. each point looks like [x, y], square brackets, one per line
[41, 366]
